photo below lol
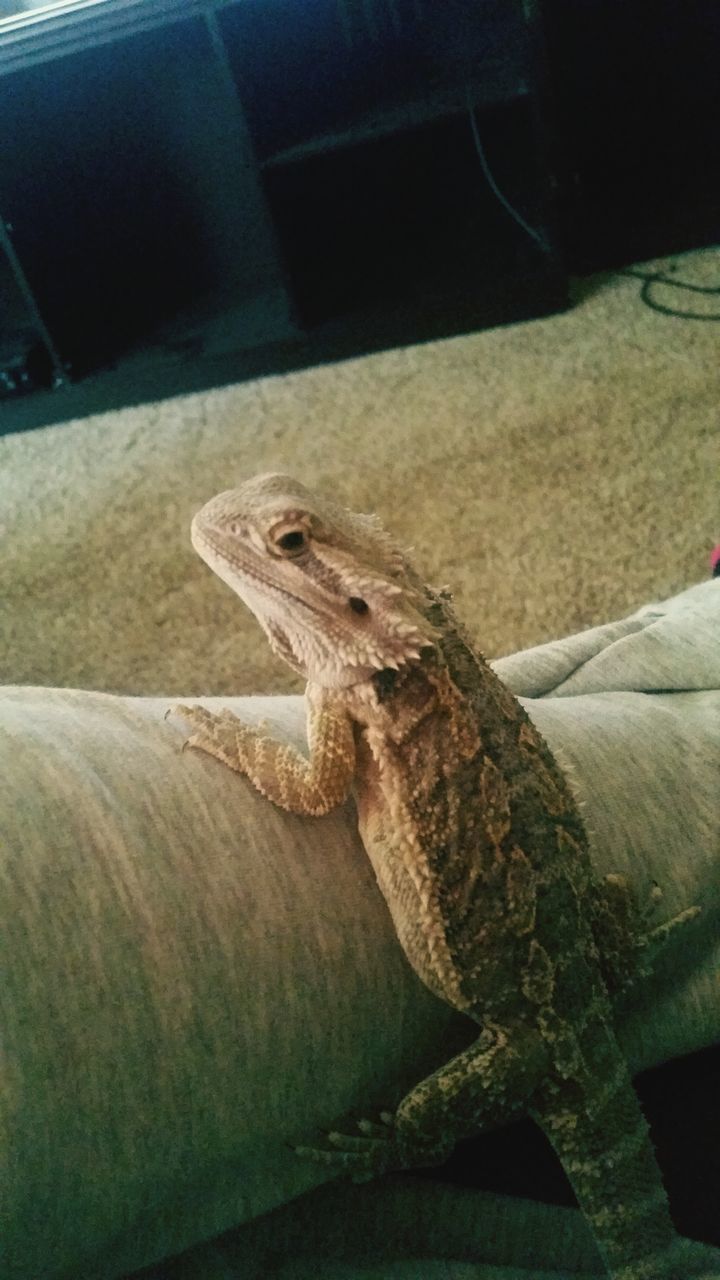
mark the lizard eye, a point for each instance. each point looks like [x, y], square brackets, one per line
[293, 541]
[358, 605]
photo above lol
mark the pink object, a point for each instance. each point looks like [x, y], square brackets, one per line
[715, 561]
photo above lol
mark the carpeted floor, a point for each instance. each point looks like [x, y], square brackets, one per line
[556, 474]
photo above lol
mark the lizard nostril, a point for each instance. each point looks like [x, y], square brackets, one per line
[357, 605]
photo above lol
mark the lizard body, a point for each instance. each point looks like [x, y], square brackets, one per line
[477, 844]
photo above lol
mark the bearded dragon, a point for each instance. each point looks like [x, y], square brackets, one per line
[478, 846]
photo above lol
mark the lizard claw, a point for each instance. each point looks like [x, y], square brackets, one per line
[198, 717]
[373, 1130]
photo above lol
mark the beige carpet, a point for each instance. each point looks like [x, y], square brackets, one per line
[556, 474]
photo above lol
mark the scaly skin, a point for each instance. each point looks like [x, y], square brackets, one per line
[478, 847]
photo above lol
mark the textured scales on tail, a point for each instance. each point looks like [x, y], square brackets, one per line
[477, 845]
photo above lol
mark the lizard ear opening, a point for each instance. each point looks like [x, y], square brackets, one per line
[358, 605]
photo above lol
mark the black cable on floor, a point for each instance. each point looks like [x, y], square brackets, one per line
[658, 277]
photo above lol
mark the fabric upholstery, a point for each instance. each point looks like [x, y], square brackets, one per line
[191, 979]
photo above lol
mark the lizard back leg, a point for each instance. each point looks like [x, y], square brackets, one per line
[486, 1085]
[624, 932]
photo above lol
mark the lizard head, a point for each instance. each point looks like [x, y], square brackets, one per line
[332, 591]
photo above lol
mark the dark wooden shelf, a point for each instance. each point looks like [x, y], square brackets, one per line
[497, 84]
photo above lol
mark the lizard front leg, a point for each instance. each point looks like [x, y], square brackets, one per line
[485, 1085]
[306, 786]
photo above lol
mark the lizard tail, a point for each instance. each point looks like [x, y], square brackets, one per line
[603, 1141]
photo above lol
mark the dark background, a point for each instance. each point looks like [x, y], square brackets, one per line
[147, 179]
[636, 104]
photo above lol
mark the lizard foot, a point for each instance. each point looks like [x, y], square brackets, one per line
[362, 1156]
[203, 720]
[219, 733]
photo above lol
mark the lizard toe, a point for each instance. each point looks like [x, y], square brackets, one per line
[195, 713]
[373, 1130]
[358, 1166]
[363, 1143]
[360, 1156]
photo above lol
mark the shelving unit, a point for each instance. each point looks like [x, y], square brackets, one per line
[166, 163]
[359, 115]
[495, 87]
